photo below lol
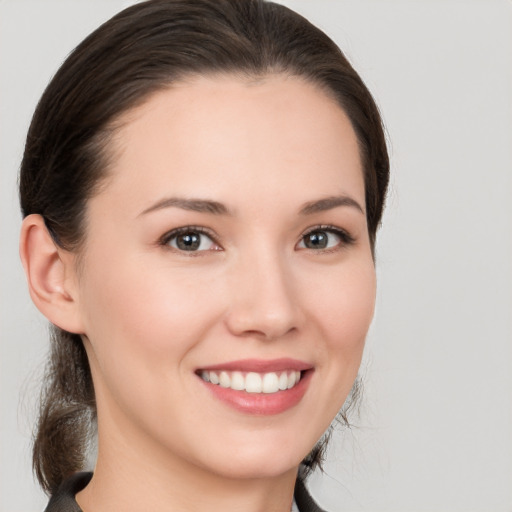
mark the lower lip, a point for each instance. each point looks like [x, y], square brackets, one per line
[263, 404]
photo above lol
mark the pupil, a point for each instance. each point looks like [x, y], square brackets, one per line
[316, 240]
[188, 241]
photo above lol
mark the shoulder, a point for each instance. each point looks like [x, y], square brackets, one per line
[64, 499]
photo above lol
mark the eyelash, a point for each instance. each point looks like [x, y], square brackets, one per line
[167, 237]
[346, 238]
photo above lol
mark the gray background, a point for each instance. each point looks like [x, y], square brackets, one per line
[435, 430]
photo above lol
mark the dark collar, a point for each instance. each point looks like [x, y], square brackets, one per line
[64, 499]
[303, 498]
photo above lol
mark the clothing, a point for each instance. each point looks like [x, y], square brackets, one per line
[64, 499]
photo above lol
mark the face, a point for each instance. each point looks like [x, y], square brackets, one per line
[227, 282]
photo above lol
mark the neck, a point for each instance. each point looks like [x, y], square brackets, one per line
[130, 479]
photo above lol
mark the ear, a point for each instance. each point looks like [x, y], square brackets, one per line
[51, 275]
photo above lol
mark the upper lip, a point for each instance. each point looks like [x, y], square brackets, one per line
[260, 365]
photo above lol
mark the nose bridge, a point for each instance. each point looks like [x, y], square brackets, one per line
[263, 301]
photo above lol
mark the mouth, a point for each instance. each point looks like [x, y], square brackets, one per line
[256, 386]
[253, 382]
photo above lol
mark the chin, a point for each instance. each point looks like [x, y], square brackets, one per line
[258, 470]
[258, 462]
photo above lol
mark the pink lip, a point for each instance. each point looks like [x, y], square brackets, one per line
[261, 365]
[261, 404]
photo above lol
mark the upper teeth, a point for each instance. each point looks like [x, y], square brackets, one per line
[253, 382]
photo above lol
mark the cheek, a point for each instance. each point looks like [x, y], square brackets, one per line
[356, 306]
[141, 323]
[344, 313]
[345, 306]
[142, 305]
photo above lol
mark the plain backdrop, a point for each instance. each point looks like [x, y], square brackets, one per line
[435, 429]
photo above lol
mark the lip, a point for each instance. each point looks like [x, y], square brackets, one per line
[261, 404]
[260, 365]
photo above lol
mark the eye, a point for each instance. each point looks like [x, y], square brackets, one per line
[322, 238]
[190, 239]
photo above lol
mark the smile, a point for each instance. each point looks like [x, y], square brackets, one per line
[253, 382]
[256, 386]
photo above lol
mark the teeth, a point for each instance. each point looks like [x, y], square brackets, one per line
[283, 381]
[224, 380]
[270, 383]
[237, 381]
[253, 382]
[293, 379]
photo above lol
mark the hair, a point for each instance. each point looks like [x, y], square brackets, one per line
[138, 52]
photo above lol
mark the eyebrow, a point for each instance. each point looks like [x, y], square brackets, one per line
[328, 203]
[216, 208]
[195, 205]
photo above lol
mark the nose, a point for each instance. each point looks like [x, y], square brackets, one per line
[263, 299]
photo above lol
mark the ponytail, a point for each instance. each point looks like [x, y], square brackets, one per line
[67, 412]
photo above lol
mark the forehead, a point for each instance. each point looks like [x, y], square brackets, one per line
[206, 135]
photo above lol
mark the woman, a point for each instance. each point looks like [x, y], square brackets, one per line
[201, 185]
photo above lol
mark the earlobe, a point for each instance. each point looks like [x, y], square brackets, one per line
[50, 275]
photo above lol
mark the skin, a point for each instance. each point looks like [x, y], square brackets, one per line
[152, 315]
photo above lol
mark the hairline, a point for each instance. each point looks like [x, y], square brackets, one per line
[108, 146]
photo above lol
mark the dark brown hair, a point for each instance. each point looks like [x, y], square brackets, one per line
[139, 51]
